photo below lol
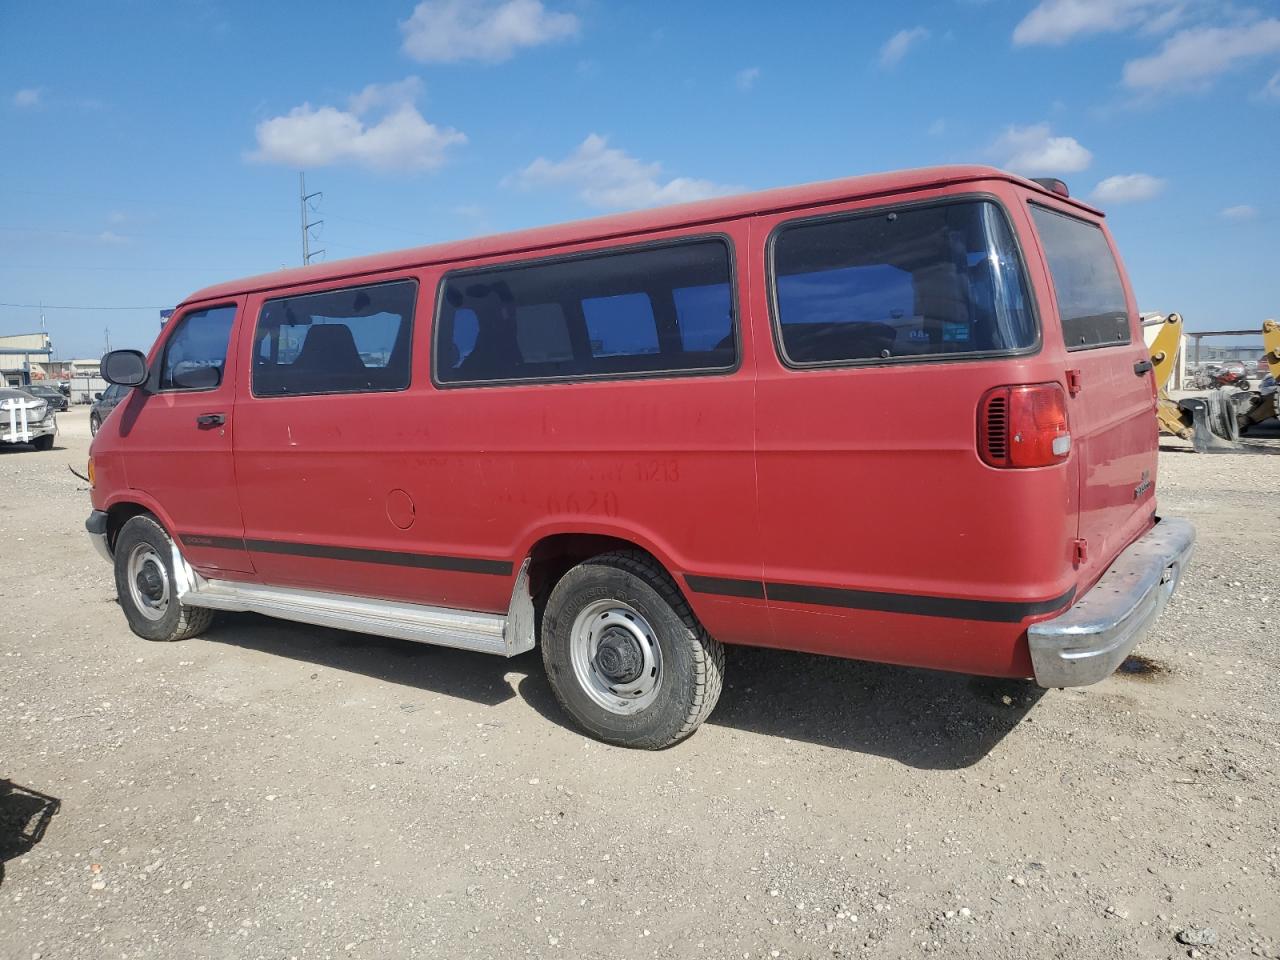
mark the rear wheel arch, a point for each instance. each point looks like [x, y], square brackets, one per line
[554, 555]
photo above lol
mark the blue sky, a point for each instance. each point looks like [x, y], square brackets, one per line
[148, 149]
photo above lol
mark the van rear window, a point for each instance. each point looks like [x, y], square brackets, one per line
[628, 312]
[920, 282]
[1086, 280]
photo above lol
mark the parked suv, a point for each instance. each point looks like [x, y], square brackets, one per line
[103, 404]
[905, 418]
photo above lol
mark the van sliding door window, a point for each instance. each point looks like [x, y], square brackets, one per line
[915, 283]
[636, 312]
[355, 340]
[1086, 280]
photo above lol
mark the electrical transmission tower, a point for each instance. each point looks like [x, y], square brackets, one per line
[304, 203]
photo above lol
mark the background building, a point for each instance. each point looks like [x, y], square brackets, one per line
[23, 357]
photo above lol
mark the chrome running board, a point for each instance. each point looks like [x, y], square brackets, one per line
[464, 629]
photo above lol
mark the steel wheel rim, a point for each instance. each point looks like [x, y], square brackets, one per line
[610, 641]
[148, 582]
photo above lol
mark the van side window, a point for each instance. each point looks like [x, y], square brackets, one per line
[355, 340]
[914, 283]
[638, 311]
[1086, 280]
[196, 351]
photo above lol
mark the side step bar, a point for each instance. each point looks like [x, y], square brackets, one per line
[506, 636]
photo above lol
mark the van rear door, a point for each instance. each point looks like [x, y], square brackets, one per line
[1112, 407]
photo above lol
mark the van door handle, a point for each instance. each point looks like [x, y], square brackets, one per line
[1141, 367]
[211, 419]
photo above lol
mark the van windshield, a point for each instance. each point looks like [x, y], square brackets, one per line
[917, 282]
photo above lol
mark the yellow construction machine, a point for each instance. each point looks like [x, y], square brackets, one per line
[1164, 356]
[1211, 422]
[1265, 400]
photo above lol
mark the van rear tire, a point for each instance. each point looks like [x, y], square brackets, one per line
[146, 587]
[625, 655]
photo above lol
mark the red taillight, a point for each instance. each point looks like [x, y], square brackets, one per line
[1024, 426]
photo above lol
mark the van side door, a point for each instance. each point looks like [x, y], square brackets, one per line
[179, 434]
[605, 390]
[333, 435]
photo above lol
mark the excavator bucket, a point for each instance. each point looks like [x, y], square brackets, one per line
[1214, 428]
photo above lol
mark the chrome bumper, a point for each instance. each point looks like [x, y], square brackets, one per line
[96, 527]
[1087, 643]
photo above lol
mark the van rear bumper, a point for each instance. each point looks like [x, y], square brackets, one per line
[1086, 643]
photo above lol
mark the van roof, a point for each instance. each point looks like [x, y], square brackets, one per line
[623, 224]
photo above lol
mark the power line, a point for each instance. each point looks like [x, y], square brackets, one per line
[50, 306]
[252, 211]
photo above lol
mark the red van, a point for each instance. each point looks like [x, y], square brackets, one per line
[906, 418]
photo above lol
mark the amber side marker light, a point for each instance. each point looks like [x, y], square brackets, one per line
[1024, 426]
[90, 472]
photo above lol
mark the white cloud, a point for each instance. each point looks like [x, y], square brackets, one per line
[937, 128]
[1242, 211]
[1193, 57]
[1128, 188]
[28, 97]
[1272, 89]
[112, 238]
[377, 95]
[1059, 21]
[401, 139]
[446, 31]
[610, 178]
[1035, 150]
[746, 79]
[897, 46]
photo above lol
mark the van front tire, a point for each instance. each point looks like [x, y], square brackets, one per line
[625, 655]
[146, 586]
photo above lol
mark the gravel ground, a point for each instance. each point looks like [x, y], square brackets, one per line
[283, 791]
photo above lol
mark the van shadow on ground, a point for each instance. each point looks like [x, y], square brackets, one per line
[24, 818]
[921, 718]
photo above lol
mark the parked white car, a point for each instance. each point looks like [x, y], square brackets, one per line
[26, 419]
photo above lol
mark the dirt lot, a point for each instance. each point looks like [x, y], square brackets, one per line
[283, 791]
